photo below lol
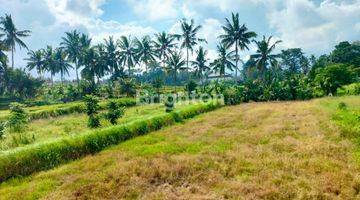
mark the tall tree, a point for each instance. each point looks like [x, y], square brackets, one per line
[127, 54]
[200, 63]
[264, 56]
[72, 46]
[175, 64]
[293, 60]
[36, 61]
[224, 61]
[145, 51]
[236, 35]
[12, 35]
[164, 45]
[188, 37]
[62, 66]
[111, 57]
[49, 62]
[102, 67]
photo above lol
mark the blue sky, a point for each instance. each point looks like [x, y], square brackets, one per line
[314, 25]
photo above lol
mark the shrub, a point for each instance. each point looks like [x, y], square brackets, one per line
[169, 103]
[190, 86]
[32, 158]
[342, 106]
[2, 129]
[18, 117]
[92, 108]
[232, 96]
[114, 112]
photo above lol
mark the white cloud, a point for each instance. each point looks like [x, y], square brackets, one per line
[316, 28]
[155, 9]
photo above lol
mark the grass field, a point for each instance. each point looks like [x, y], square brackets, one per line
[278, 150]
[46, 129]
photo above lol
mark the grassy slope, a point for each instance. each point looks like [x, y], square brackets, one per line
[257, 150]
[45, 129]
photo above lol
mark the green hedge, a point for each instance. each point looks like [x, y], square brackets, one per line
[69, 109]
[37, 157]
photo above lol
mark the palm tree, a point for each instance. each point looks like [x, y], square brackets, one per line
[164, 45]
[200, 63]
[175, 64]
[12, 35]
[61, 64]
[264, 57]
[127, 54]
[102, 67]
[236, 35]
[72, 46]
[3, 56]
[189, 37]
[111, 56]
[145, 51]
[49, 62]
[36, 61]
[224, 61]
[90, 59]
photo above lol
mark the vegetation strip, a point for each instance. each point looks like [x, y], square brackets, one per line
[72, 108]
[33, 158]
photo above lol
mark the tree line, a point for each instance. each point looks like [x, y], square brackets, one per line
[118, 59]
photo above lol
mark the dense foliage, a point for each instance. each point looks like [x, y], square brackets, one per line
[120, 67]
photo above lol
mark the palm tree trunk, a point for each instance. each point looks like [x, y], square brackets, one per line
[187, 59]
[12, 57]
[175, 82]
[77, 74]
[236, 59]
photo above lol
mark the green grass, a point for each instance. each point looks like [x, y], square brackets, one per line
[45, 155]
[72, 124]
[40, 112]
[272, 150]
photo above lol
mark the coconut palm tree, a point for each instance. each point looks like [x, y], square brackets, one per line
[12, 35]
[127, 54]
[102, 67]
[36, 61]
[111, 56]
[145, 52]
[49, 62]
[72, 47]
[264, 57]
[236, 35]
[90, 59]
[164, 45]
[224, 61]
[189, 37]
[175, 64]
[62, 66]
[200, 63]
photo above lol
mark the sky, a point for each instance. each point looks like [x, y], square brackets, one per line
[316, 26]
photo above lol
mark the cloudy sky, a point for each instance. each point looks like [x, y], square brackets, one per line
[314, 25]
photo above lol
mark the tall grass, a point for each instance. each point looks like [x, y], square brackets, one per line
[65, 109]
[26, 160]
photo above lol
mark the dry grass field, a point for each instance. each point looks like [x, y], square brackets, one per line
[277, 150]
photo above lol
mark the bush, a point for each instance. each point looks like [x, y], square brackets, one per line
[2, 129]
[18, 117]
[32, 158]
[114, 112]
[342, 106]
[190, 86]
[92, 108]
[169, 103]
[232, 96]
